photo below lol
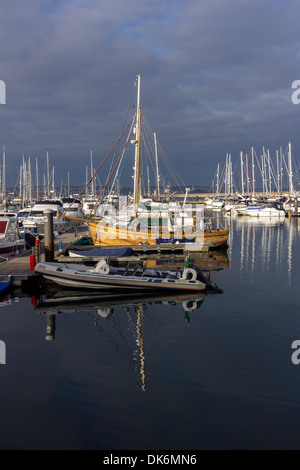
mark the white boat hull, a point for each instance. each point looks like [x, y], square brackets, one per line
[85, 277]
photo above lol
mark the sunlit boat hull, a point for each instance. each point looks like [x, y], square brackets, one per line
[87, 278]
[110, 236]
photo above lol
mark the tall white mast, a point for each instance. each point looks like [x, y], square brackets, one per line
[253, 172]
[48, 176]
[291, 188]
[86, 181]
[92, 174]
[3, 177]
[20, 185]
[157, 171]
[24, 178]
[53, 183]
[136, 193]
[270, 175]
[226, 176]
[148, 176]
[242, 173]
[278, 172]
[29, 181]
[37, 178]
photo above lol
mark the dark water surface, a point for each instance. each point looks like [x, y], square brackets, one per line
[204, 372]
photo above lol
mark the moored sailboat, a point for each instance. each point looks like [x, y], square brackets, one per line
[167, 223]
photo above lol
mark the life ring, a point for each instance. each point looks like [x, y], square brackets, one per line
[189, 274]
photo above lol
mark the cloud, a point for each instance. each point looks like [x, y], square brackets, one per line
[216, 78]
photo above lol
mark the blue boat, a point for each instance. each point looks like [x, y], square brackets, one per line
[4, 288]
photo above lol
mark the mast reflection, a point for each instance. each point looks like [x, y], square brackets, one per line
[265, 244]
[120, 318]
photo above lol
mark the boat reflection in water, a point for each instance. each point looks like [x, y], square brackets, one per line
[264, 245]
[119, 318]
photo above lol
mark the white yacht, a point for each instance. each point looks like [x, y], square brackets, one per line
[11, 242]
[34, 221]
[73, 211]
[269, 209]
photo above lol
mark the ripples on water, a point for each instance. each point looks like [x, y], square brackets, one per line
[197, 372]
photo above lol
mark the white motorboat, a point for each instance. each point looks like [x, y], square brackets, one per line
[106, 277]
[11, 242]
[270, 209]
[35, 220]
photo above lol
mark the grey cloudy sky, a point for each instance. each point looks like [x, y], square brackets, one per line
[216, 78]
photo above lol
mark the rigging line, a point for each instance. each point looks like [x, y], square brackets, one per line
[110, 176]
[125, 119]
[92, 177]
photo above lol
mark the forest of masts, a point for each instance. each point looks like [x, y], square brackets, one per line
[253, 175]
[29, 188]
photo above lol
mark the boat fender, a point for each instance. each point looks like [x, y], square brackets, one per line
[102, 267]
[189, 274]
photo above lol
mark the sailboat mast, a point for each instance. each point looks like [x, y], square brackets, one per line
[253, 173]
[157, 170]
[37, 178]
[4, 177]
[21, 195]
[291, 189]
[136, 193]
[48, 175]
[92, 174]
[242, 173]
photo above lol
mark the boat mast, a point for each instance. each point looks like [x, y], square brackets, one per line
[242, 173]
[29, 181]
[37, 178]
[21, 194]
[48, 175]
[253, 173]
[157, 171]
[3, 178]
[291, 189]
[92, 175]
[136, 193]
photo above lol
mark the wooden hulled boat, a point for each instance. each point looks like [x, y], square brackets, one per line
[103, 234]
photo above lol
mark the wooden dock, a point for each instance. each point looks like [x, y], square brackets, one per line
[17, 269]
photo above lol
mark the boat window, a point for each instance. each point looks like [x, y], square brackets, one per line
[3, 225]
[12, 226]
[37, 213]
[23, 214]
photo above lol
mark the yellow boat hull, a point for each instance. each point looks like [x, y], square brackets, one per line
[102, 234]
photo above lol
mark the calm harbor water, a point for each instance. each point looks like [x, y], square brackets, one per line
[198, 372]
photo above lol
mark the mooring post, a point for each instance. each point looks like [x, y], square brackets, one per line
[50, 328]
[296, 206]
[48, 235]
